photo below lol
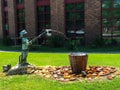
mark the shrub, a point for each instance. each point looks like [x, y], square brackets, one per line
[73, 44]
[99, 42]
[104, 42]
[33, 47]
[114, 42]
[7, 41]
[70, 45]
[56, 41]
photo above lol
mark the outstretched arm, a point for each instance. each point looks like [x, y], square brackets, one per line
[33, 40]
[46, 32]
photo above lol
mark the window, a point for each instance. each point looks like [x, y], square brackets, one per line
[20, 20]
[111, 18]
[5, 19]
[43, 15]
[116, 3]
[6, 28]
[20, 16]
[19, 1]
[5, 3]
[74, 19]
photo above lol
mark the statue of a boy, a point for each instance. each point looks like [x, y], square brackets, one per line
[25, 47]
[26, 43]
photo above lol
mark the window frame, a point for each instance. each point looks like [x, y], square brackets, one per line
[5, 18]
[111, 18]
[43, 4]
[20, 14]
[77, 31]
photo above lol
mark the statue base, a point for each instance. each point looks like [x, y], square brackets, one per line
[20, 69]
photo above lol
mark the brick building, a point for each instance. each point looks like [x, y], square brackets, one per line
[75, 18]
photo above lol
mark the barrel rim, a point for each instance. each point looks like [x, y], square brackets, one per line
[78, 54]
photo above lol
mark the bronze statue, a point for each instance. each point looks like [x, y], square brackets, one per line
[26, 43]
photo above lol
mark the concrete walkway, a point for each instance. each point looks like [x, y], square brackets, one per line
[8, 51]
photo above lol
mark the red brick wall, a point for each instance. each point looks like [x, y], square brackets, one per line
[92, 17]
[30, 16]
[92, 20]
[12, 18]
[1, 20]
[57, 15]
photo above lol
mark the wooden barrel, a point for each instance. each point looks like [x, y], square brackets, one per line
[78, 62]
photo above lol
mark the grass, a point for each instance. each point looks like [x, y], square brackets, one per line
[34, 82]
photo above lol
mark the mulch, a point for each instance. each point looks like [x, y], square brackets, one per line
[64, 73]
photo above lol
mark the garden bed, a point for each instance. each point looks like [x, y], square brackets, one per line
[64, 73]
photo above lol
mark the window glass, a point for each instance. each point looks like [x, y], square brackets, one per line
[19, 1]
[5, 3]
[106, 14]
[80, 6]
[70, 7]
[70, 15]
[79, 15]
[111, 18]
[107, 4]
[79, 24]
[6, 26]
[40, 9]
[43, 15]
[20, 20]
[5, 19]
[116, 22]
[116, 13]
[47, 9]
[117, 3]
[70, 25]
[74, 19]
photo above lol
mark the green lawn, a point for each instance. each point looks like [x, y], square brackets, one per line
[34, 82]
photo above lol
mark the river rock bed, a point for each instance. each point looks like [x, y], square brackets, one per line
[64, 73]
